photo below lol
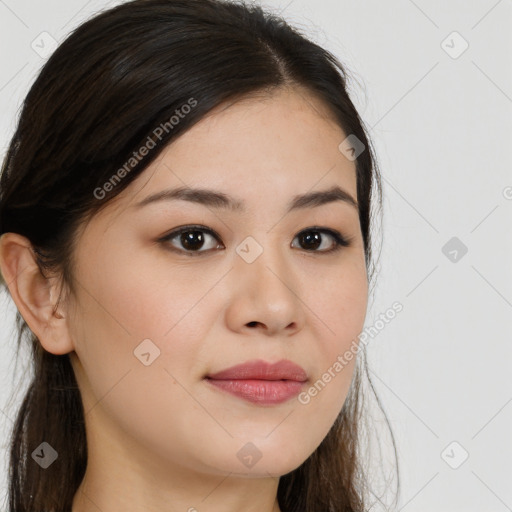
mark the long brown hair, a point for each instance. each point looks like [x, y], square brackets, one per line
[96, 100]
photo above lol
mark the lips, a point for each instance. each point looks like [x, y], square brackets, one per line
[260, 382]
[261, 370]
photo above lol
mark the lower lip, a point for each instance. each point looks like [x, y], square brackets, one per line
[264, 392]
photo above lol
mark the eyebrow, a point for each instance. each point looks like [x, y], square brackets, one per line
[217, 199]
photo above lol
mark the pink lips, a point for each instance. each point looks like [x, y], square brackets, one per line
[260, 382]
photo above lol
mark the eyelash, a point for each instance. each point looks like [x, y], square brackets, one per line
[339, 240]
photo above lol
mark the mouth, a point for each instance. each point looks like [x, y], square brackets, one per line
[260, 382]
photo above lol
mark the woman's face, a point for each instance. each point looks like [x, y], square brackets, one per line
[152, 317]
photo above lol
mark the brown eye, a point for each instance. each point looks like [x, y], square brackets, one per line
[192, 239]
[313, 238]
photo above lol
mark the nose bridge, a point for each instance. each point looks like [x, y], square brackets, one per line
[263, 264]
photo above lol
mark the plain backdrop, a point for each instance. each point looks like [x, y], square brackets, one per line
[433, 83]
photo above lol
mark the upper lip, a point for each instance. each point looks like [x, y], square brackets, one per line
[261, 370]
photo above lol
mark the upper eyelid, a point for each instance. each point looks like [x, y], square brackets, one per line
[192, 227]
[195, 227]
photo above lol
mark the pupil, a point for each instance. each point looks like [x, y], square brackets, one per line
[314, 239]
[187, 239]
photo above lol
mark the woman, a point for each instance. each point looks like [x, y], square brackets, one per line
[185, 217]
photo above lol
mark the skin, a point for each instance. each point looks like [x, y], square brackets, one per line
[159, 437]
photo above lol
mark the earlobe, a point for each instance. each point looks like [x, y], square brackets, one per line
[34, 295]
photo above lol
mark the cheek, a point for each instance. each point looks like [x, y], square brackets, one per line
[340, 303]
[144, 296]
[133, 300]
[340, 306]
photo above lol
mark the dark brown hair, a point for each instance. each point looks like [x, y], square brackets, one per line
[98, 98]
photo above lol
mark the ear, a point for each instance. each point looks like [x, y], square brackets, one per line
[34, 295]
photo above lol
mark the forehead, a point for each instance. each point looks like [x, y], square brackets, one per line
[285, 140]
[264, 149]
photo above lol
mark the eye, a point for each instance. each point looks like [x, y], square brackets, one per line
[191, 240]
[313, 238]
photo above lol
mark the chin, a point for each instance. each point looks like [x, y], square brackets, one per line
[248, 463]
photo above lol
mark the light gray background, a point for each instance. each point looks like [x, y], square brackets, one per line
[442, 128]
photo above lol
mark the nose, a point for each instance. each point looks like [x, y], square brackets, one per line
[265, 296]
